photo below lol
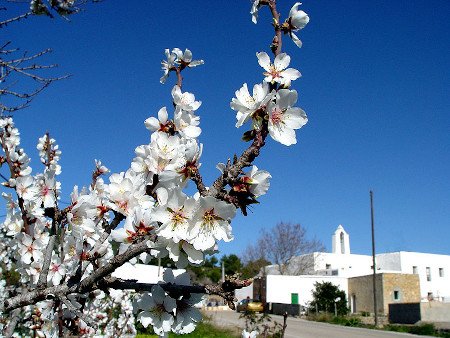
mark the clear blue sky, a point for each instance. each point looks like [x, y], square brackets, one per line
[375, 86]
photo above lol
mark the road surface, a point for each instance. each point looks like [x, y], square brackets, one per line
[300, 328]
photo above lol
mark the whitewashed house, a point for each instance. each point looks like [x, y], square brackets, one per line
[339, 265]
[433, 271]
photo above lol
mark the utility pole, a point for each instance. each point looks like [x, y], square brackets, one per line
[223, 272]
[373, 260]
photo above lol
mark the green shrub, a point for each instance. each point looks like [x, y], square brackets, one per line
[424, 329]
[346, 321]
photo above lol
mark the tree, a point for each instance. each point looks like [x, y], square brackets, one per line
[326, 295]
[22, 75]
[232, 264]
[284, 246]
[208, 272]
[65, 255]
[254, 259]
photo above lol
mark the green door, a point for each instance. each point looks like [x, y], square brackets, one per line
[294, 298]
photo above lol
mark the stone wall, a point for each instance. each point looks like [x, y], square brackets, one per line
[405, 287]
[360, 293]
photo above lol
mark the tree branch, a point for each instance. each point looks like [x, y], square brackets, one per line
[90, 322]
[9, 330]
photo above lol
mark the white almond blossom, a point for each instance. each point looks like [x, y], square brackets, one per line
[284, 119]
[100, 169]
[175, 216]
[49, 153]
[254, 11]
[48, 189]
[184, 101]
[258, 181]
[252, 334]
[139, 223]
[167, 65]
[158, 124]
[297, 20]
[211, 223]
[127, 191]
[187, 124]
[278, 71]
[26, 188]
[21, 162]
[246, 105]
[34, 271]
[30, 249]
[56, 271]
[13, 225]
[158, 310]
[185, 58]
[183, 253]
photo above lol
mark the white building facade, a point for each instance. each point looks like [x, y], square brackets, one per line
[433, 271]
[340, 264]
[298, 287]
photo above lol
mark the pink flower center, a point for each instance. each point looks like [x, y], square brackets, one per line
[45, 190]
[277, 115]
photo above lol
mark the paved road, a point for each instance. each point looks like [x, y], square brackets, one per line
[300, 328]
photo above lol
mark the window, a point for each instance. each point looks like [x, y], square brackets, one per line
[342, 243]
[396, 295]
[441, 272]
[428, 270]
[415, 269]
[327, 266]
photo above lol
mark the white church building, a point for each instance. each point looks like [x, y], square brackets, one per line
[433, 269]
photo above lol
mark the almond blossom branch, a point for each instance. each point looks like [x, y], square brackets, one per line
[196, 177]
[277, 41]
[224, 290]
[118, 217]
[47, 260]
[86, 285]
[78, 313]
[14, 320]
[231, 172]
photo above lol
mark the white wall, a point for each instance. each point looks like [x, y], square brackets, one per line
[143, 273]
[390, 261]
[279, 288]
[347, 265]
[404, 262]
[244, 292]
[439, 286]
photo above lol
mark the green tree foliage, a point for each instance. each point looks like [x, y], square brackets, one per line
[232, 264]
[325, 295]
[11, 276]
[208, 272]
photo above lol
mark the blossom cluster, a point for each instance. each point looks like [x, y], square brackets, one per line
[165, 313]
[50, 246]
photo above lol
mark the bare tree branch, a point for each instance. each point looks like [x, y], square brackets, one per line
[14, 319]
